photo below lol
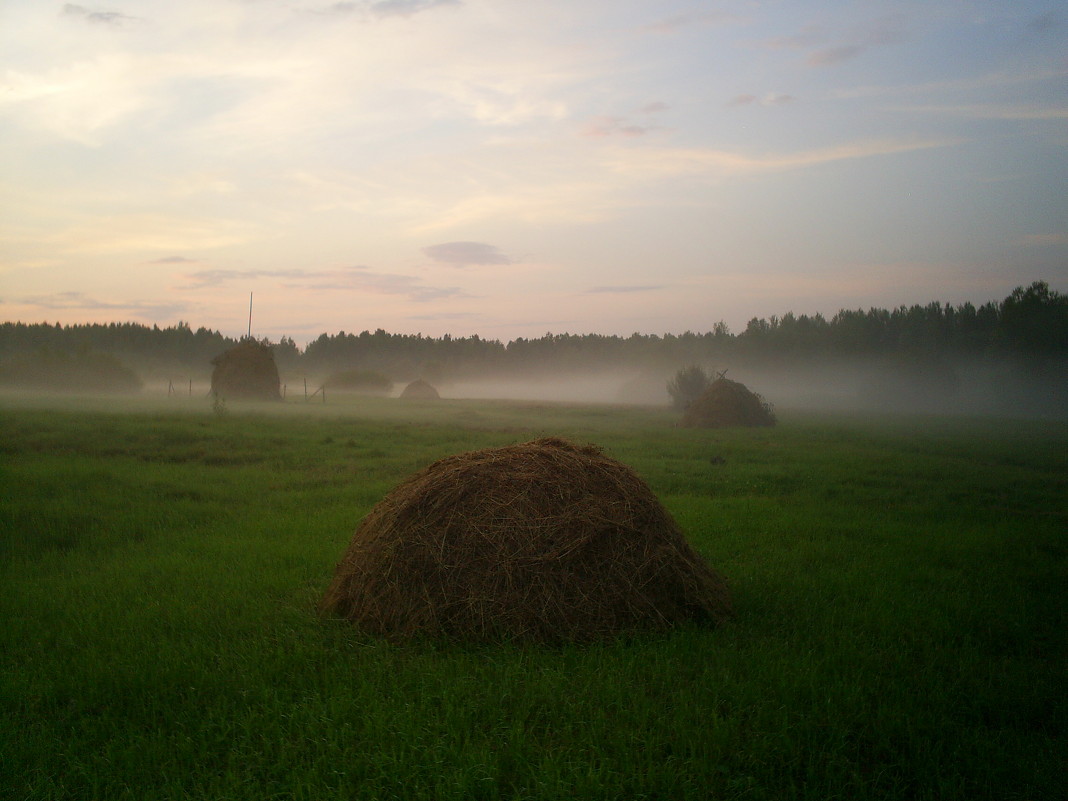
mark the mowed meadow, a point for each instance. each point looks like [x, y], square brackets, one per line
[900, 587]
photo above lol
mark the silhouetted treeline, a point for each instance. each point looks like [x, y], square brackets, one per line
[1030, 322]
[1031, 325]
[170, 348]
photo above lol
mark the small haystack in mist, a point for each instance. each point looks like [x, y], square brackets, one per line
[247, 371]
[420, 390]
[545, 541]
[726, 404]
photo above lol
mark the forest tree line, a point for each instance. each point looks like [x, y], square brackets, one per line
[1030, 327]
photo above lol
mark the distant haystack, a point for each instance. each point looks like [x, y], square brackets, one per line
[546, 541]
[246, 372]
[420, 390]
[727, 404]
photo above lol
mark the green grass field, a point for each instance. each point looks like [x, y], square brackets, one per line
[901, 588]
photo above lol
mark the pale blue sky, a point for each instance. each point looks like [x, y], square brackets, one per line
[509, 168]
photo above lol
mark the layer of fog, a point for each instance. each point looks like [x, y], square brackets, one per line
[973, 388]
[990, 388]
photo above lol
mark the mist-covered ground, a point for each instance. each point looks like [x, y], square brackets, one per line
[988, 387]
[972, 388]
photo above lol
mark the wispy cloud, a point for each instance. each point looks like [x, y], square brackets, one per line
[834, 55]
[346, 279]
[884, 31]
[888, 30]
[809, 36]
[445, 316]
[462, 254]
[612, 126]
[662, 162]
[406, 8]
[140, 232]
[384, 8]
[1043, 240]
[79, 301]
[990, 111]
[338, 8]
[99, 17]
[550, 202]
[669, 24]
[1046, 22]
[205, 279]
[770, 99]
[742, 100]
[983, 83]
[173, 260]
[80, 100]
[622, 290]
[608, 125]
[501, 101]
[680, 22]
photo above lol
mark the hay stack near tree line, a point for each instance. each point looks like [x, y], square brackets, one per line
[727, 404]
[247, 371]
[420, 390]
[545, 541]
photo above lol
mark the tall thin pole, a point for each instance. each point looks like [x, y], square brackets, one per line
[250, 315]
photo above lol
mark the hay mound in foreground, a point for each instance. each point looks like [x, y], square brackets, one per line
[726, 404]
[420, 390]
[545, 541]
[246, 371]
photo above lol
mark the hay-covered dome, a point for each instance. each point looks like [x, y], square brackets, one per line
[726, 404]
[420, 390]
[246, 371]
[544, 541]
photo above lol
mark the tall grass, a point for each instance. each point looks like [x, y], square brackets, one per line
[899, 584]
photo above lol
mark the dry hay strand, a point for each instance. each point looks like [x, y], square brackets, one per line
[246, 371]
[545, 541]
[420, 390]
[727, 404]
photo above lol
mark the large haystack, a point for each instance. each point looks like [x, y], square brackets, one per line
[727, 404]
[420, 390]
[544, 541]
[247, 371]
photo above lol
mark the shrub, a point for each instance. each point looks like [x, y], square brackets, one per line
[687, 386]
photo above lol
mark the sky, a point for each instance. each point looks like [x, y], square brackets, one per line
[509, 168]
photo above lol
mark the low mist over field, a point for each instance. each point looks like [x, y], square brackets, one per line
[1000, 358]
[989, 388]
[971, 388]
